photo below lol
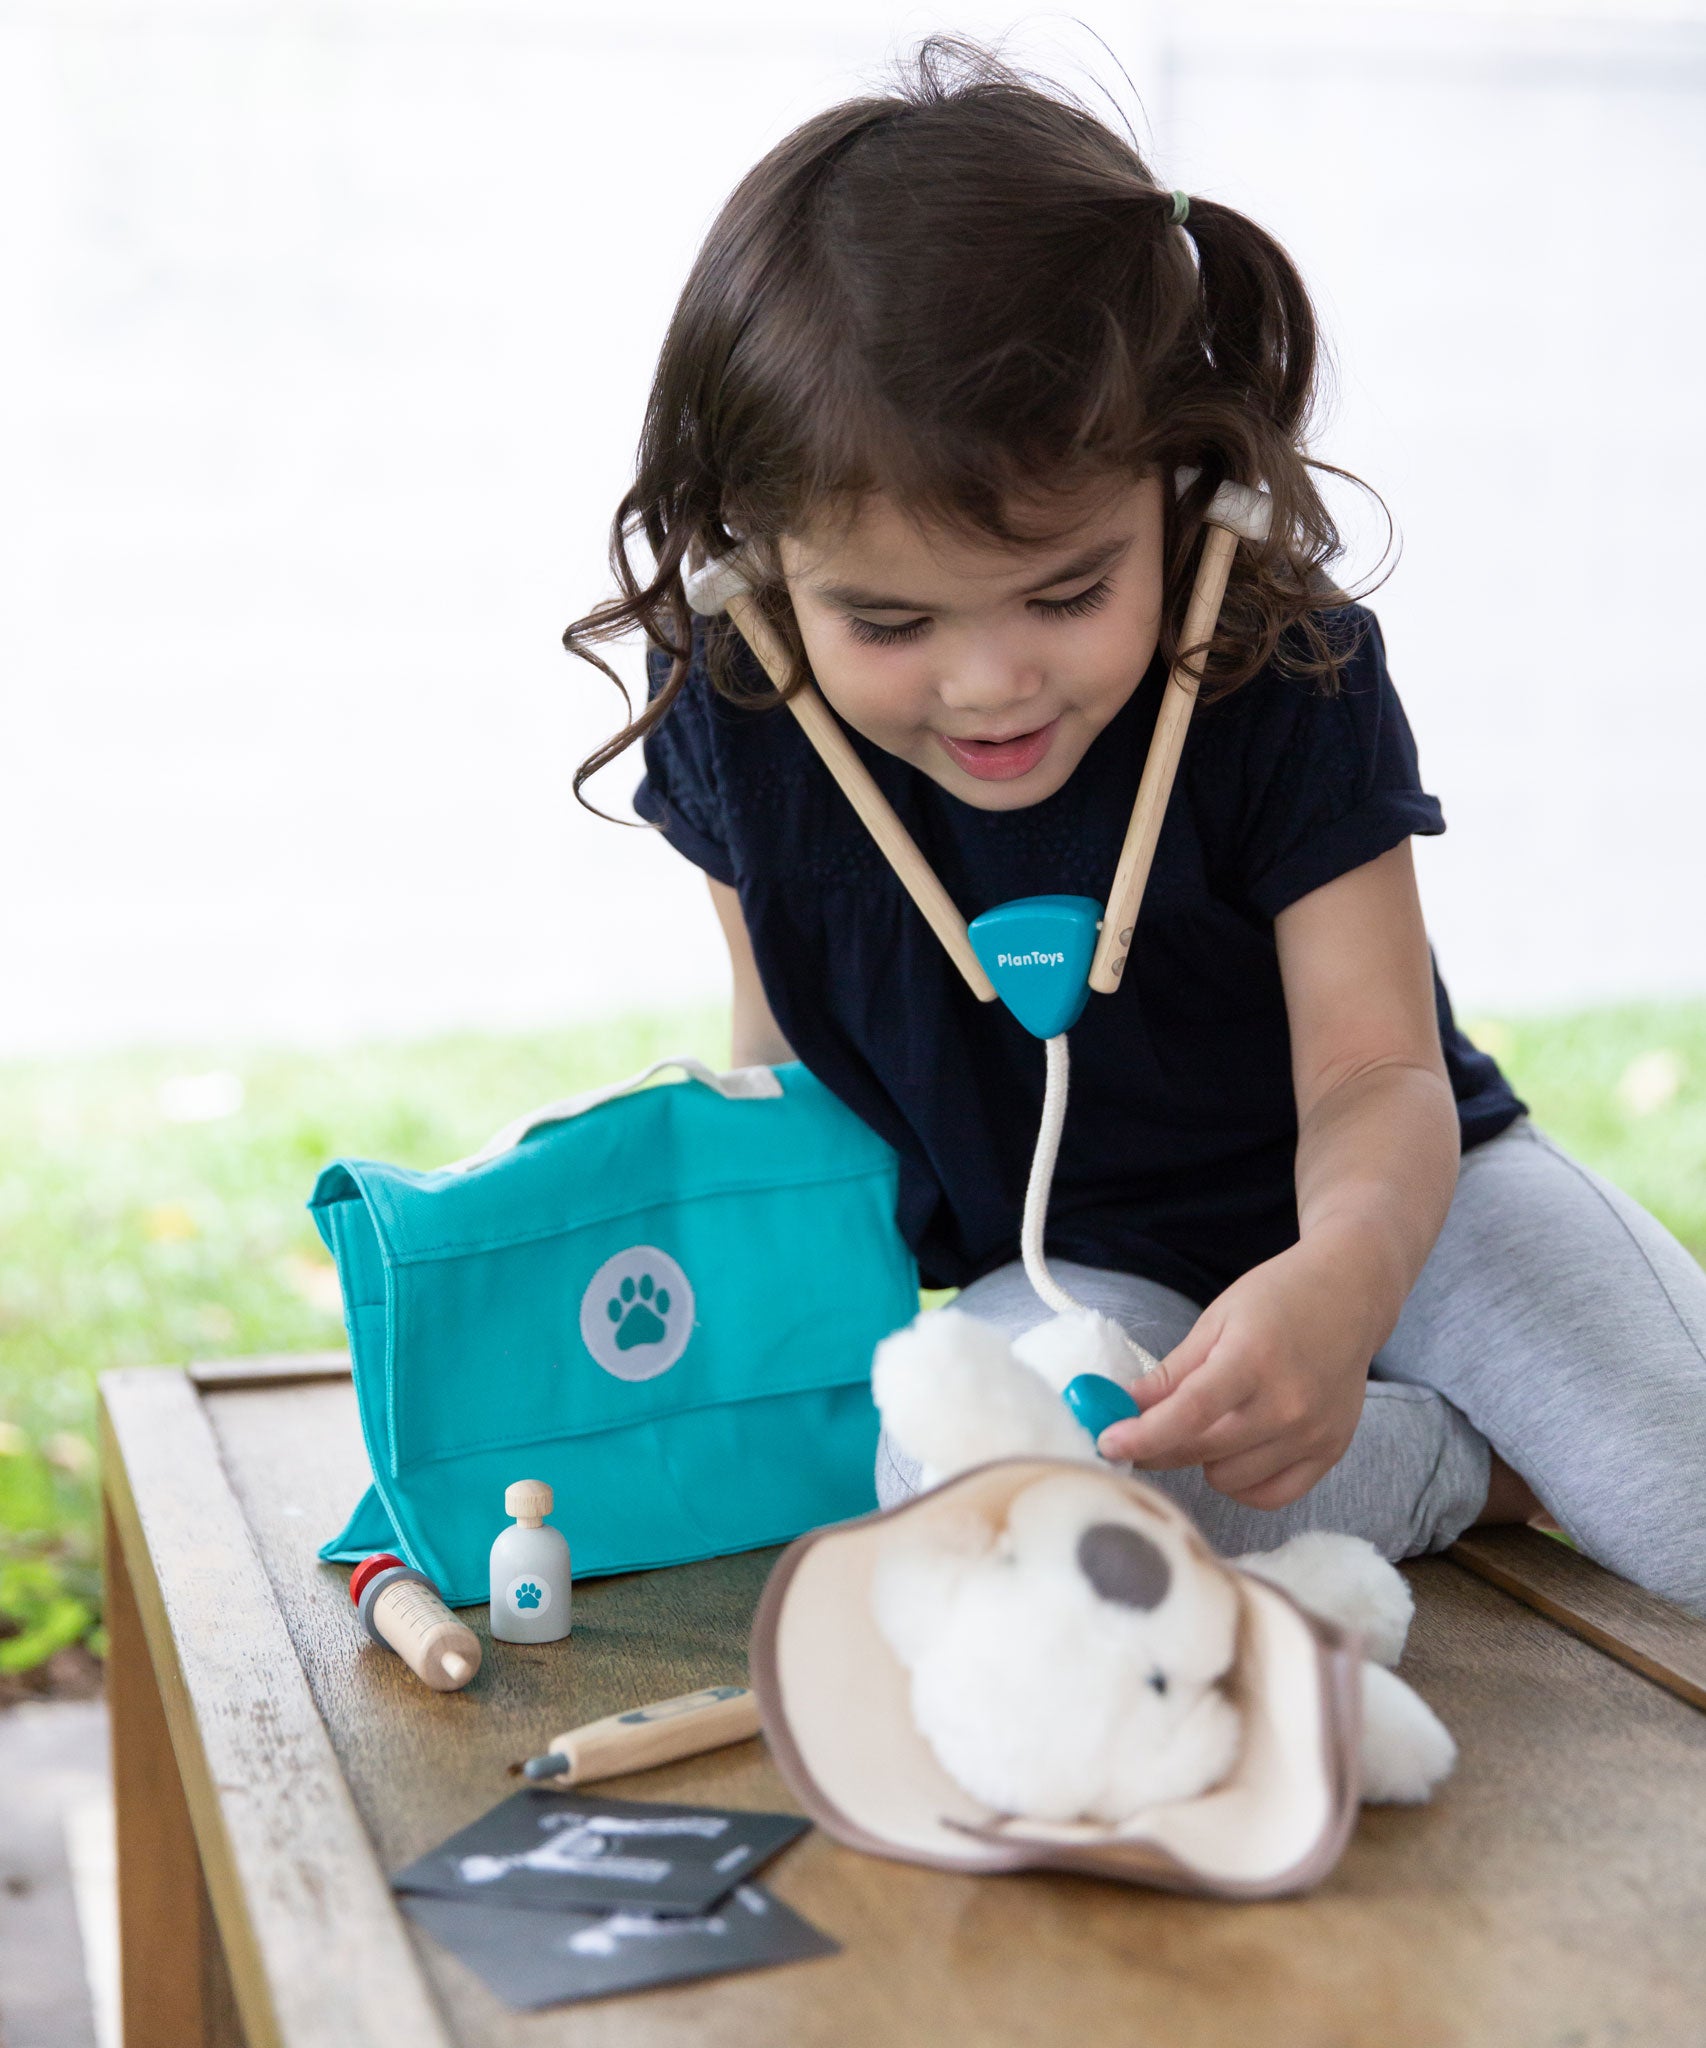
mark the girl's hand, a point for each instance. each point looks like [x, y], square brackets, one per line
[1266, 1390]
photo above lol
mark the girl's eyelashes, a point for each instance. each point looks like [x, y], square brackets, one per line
[1079, 607]
[1087, 601]
[873, 635]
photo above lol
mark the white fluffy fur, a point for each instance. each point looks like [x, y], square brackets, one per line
[1060, 1349]
[1073, 1727]
[953, 1394]
[1406, 1749]
[916, 1583]
[1343, 1579]
[1078, 1732]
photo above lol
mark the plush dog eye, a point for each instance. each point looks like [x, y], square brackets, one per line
[1123, 1565]
[1157, 1683]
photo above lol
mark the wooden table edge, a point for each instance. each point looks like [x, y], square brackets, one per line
[284, 1369]
[1638, 1628]
[143, 1411]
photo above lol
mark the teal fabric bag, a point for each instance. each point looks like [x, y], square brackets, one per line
[660, 1300]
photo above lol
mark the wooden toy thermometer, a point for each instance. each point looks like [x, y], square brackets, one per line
[645, 1736]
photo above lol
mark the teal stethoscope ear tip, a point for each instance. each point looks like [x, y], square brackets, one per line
[1037, 951]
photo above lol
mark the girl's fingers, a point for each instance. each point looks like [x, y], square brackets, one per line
[1253, 1466]
[1192, 1350]
[1239, 1429]
[1277, 1490]
[1170, 1432]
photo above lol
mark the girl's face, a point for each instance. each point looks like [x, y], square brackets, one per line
[989, 667]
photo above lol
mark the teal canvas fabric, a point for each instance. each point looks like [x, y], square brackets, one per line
[664, 1305]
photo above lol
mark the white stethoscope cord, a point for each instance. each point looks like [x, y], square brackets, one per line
[1038, 1189]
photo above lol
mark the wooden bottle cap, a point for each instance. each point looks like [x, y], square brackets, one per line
[528, 1500]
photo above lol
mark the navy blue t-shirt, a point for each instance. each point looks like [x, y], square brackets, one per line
[1181, 1130]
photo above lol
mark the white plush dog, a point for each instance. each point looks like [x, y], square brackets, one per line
[1072, 1664]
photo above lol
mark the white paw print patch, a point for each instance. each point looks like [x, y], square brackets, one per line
[637, 1313]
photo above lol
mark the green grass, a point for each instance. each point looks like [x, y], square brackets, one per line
[1624, 1090]
[130, 1238]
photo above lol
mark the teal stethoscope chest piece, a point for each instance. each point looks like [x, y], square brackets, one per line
[1037, 951]
[1098, 1402]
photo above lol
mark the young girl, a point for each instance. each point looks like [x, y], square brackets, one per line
[935, 374]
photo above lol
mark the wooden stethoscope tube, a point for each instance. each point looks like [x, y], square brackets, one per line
[1143, 830]
[899, 848]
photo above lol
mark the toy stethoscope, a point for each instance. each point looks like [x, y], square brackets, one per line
[1041, 955]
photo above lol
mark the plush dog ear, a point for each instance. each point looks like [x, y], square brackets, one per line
[952, 1395]
[1084, 1341]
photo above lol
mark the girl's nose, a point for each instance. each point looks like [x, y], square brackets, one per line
[983, 683]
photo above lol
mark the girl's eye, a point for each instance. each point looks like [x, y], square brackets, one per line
[1087, 601]
[874, 635]
[1079, 607]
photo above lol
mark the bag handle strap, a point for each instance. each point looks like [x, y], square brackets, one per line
[739, 1084]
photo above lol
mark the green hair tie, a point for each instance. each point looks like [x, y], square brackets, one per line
[1181, 210]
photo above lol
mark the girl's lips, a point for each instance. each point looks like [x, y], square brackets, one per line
[1001, 760]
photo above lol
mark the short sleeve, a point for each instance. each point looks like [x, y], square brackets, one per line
[1326, 783]
[679, 792]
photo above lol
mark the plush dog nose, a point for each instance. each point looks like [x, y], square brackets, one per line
[1123, 1565]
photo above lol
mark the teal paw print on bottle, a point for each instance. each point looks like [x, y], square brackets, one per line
[527, 1596]
[639, 1309]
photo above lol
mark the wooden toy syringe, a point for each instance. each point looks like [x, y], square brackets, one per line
[400, 1606]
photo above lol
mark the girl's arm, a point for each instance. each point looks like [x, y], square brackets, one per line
[1378, 1140]
[758, 1040]
[1266, 1390]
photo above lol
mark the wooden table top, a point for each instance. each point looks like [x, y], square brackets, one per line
[1554, 1892]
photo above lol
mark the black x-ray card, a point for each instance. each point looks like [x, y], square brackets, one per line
[575, 1850]
[530, 1957]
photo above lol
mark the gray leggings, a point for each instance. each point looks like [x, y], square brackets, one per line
[1555, 1322]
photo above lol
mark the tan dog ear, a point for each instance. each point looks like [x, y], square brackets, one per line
[837, 1714]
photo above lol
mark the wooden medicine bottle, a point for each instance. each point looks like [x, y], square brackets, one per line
[531, 1580]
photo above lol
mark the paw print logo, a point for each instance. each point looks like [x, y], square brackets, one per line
[526, 1595]
[638, 1308]
[637, 1313]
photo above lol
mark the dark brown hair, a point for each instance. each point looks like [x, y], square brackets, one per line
[970, 294]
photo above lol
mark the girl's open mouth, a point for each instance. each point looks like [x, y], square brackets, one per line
[1001, 760]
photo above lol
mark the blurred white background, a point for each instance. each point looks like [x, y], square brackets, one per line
[324, 334]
